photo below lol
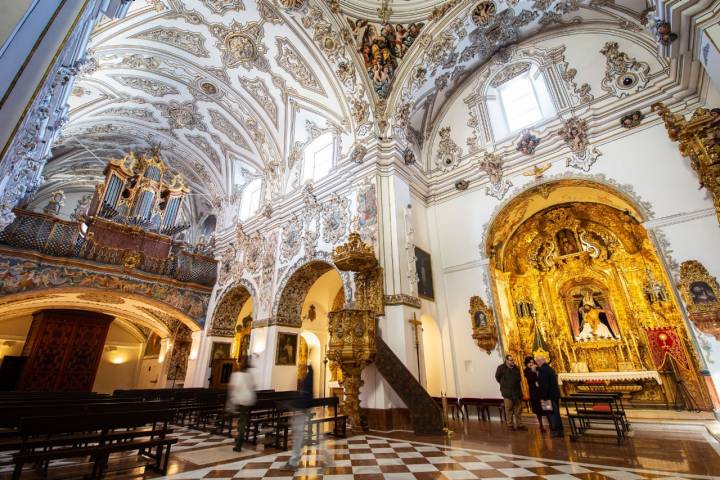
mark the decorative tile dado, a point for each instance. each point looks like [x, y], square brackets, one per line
[191, 42]
[290, 60]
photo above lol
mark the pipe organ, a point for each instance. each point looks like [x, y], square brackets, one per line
[141, 190]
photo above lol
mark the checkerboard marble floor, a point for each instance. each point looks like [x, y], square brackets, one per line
[189, 438]
[369, 457]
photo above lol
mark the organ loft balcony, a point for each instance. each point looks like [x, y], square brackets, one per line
[128, 229]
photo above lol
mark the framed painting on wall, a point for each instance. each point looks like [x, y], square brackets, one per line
[286, 348]
[423, 268]
[220, 350]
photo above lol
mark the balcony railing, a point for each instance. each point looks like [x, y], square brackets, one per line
[55, 237]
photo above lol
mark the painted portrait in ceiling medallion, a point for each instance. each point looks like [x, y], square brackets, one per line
[240, 48]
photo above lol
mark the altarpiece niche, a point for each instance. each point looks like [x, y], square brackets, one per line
[575, 278]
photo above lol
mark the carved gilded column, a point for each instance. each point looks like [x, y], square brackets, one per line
[698, 139]
[352, 330]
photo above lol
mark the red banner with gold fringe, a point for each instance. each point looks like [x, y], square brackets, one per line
[664, 342]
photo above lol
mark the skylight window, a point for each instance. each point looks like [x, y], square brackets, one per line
[318, 158]
[520, 103]
[250, 201]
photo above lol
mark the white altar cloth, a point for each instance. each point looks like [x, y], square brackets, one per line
[609, 376]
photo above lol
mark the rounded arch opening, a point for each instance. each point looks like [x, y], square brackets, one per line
[571, 266]
[541, 195]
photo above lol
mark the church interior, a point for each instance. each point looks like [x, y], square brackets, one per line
[423, 232]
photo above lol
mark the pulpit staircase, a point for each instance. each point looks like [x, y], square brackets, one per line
[425, 414]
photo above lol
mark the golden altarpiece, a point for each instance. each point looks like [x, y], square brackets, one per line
[582, 282]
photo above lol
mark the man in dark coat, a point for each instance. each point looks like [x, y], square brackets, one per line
[550, 392]
[508, 376]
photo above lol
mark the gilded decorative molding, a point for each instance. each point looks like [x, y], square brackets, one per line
[27, 275]
[701, 293]
[403, 299]
[698, 139]
[483, 325]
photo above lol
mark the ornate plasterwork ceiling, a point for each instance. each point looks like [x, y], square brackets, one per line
[226, 86]
[464, 38]
[217, 83]
[400, 11]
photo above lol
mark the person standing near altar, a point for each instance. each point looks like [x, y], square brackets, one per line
[508, 376]
[531, 375]
[549, 395]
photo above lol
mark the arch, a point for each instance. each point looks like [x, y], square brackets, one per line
[546, 192]
[228, 307]
[295, 285]
[141, 310]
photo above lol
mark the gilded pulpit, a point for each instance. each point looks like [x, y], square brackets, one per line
[581, 282]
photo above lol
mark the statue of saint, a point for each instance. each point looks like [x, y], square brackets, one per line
[594, 324]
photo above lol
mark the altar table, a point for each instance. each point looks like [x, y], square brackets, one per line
[610, 376]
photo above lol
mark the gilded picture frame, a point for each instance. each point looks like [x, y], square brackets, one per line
[287, 349]
[484, 330]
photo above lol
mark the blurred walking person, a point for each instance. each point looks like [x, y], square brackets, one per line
[241, 397]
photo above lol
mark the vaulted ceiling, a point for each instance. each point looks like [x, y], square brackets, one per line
[229, 87]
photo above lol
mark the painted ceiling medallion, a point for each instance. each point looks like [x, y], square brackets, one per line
[240, 48]
[482, 12]
[241, 45]
[209, 88]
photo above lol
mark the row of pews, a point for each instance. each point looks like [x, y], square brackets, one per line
[89, 435]
[458, 407]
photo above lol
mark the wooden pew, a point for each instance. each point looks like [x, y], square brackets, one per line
[583, 411]
[483, 406]
[94, 437]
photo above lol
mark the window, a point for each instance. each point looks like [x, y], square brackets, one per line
[318, 158]
[519, 102]
[250, 201]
